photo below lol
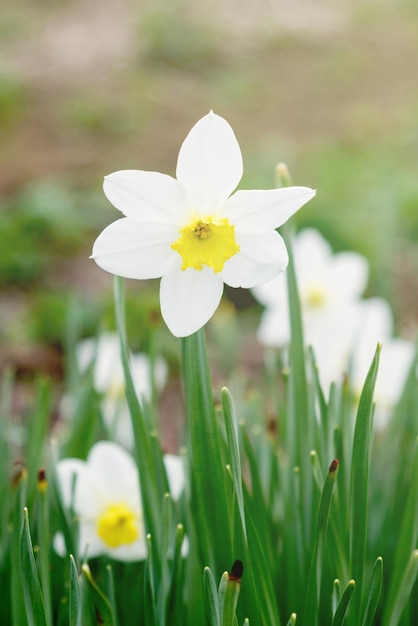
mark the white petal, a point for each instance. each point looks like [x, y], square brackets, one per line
[116, 473]
[272, 294]
[146, 196]
[133, 250]
[78, 487]
[209, 164]
[274, 328]
[260, 259]
[349, 274]
[257, 210]
[189, 298]
[136, 551]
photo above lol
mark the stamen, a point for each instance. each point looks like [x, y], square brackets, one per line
[206, 241]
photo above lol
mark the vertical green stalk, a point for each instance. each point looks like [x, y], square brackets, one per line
[359, 487]
[44, 544]
[207, 460]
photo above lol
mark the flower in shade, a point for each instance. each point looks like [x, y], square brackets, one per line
[104, 494]
[191, 231]
[109, 381]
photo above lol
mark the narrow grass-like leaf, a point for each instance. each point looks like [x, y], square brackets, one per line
[406, 584]
[211, 598]
[373, 596]
[340, 613]
[18, 614]
[74, 599]
[207, 458]
[111, 593]
[407, 538]
[221, 592]
[335, 596]
[32, 592]
[233, 449]
[292, 620]
[44, 542]
[311, 605]
[103, 608]
[232, 590]
[359, 486]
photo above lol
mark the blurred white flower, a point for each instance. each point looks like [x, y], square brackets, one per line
[342, 328]
[109, 381]
[191, 231]
[104, 494]
[374, 324]
[328, 285]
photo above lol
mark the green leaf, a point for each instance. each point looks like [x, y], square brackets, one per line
[374, 593]
[359, 486]
[406, 584]
[103, 608]
[32, 593]
[211, 513]
[407, 539]
[74, 594]
[211, 598]
[311, 605]
[342, 607]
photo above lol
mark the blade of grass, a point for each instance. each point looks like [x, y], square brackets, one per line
[207, 456]
[74, 599]
[359, 486]
[103, 608]
[311, 604]
[211, 598]
[340, 613]
[406, 584]
[374, 593]
[32, 592]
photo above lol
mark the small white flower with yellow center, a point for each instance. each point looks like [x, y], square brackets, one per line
[104, 494]
[192, 232]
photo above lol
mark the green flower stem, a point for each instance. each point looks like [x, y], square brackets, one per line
[32, 592]
[311, 606]
[213, 499]
[44, 544]
[18, 616]
[359, 487]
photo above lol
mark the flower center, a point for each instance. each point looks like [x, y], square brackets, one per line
[117, 525]
[316, 297]
[208, 242]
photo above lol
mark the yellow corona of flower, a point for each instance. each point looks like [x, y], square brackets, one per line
[192, 232]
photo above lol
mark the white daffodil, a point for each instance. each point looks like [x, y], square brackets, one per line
[328, 285]
[192, 232]
[104, 494]
[109, 381]
[375, 324]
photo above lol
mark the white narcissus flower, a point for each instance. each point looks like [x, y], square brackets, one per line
[328, 285]
[375, 324]
[192, 232]
[104, 494]
[109, 380]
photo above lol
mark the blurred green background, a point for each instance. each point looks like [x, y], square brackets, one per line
[87, 88]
